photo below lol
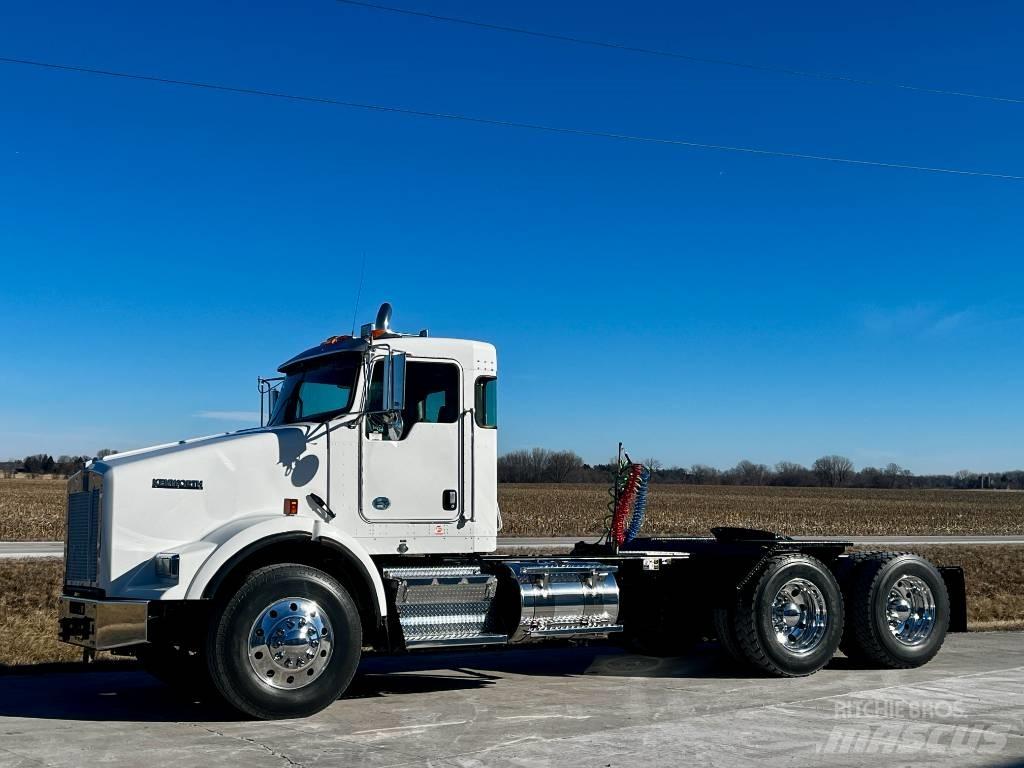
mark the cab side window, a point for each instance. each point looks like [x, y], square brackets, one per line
[375, 395]
[431, 396]
[431, 393]
[486, 402]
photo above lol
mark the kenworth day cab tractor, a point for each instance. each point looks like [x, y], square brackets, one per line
[363, 516]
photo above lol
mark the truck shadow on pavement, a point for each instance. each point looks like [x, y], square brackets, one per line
[126, 693]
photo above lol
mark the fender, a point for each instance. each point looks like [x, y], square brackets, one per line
[246, 533]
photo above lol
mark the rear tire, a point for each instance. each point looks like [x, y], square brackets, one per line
[286, 644]
[787, 622]
[723, 619]
[898, 610]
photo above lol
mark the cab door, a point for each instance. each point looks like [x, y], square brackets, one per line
[412, 473]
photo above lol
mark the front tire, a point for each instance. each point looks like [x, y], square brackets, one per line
[789, 621]
[286, 644]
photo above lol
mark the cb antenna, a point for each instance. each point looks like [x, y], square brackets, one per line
[359, 293]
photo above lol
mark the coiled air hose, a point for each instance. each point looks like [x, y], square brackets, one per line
[631, 483]
[639, 505]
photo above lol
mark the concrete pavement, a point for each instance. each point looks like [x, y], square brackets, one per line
[566, 707]
[18, 549]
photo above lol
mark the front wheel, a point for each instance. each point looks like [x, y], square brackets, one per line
[286, 644]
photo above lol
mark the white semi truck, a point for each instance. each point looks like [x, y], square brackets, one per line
[363, 516]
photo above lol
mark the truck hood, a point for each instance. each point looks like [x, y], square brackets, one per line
[159, 498]
[117, 458]
[219, 465]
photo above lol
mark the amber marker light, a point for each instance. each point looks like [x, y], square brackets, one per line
[291, 506]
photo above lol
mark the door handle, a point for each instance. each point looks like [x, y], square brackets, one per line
[450, 500]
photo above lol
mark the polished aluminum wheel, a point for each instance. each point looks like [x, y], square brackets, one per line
[799, 616]
[290, 643]
[910, 610]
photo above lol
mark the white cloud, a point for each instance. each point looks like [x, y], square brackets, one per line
[952, 321]
[229, 415]
[918, 318]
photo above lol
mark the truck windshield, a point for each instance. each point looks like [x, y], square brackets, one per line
[318, 391]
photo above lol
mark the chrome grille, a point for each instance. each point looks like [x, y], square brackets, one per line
[80, 561]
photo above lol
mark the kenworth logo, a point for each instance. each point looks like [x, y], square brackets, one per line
[187, 485]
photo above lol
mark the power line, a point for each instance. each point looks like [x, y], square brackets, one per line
[499, 122]
[681, 56]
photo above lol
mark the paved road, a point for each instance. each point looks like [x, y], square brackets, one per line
[17, 549]
[565, 707]
[31, 549]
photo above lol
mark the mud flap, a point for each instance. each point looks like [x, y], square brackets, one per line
[956, 586]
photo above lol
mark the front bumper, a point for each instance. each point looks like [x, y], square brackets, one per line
[103, 624]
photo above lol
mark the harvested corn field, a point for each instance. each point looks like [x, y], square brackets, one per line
[579, 510]
[33, 510]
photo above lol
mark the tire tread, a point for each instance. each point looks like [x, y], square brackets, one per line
[220, 636]
[726, 632]
[745, 618]
[861, 641]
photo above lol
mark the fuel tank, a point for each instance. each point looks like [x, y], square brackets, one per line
[564, 599]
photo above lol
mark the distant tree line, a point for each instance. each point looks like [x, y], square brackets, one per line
[45, 464]
[540, 465]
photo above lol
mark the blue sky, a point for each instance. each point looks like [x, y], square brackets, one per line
[161, 246]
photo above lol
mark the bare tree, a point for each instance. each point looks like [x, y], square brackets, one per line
[894, 474]
[562, 466]
[704, 475]
[965, 478]
[39, 464]
[104, 452]
[833, 470]
[872, 477]
[523, 466]
[790, 473]
[653, 464]
[749, 473]
[538, 465]
[514, 467]
[68, 465]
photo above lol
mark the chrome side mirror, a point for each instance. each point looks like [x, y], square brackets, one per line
[394, 382]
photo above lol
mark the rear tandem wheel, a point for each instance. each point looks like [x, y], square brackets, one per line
[788, 621]
[898, 610]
